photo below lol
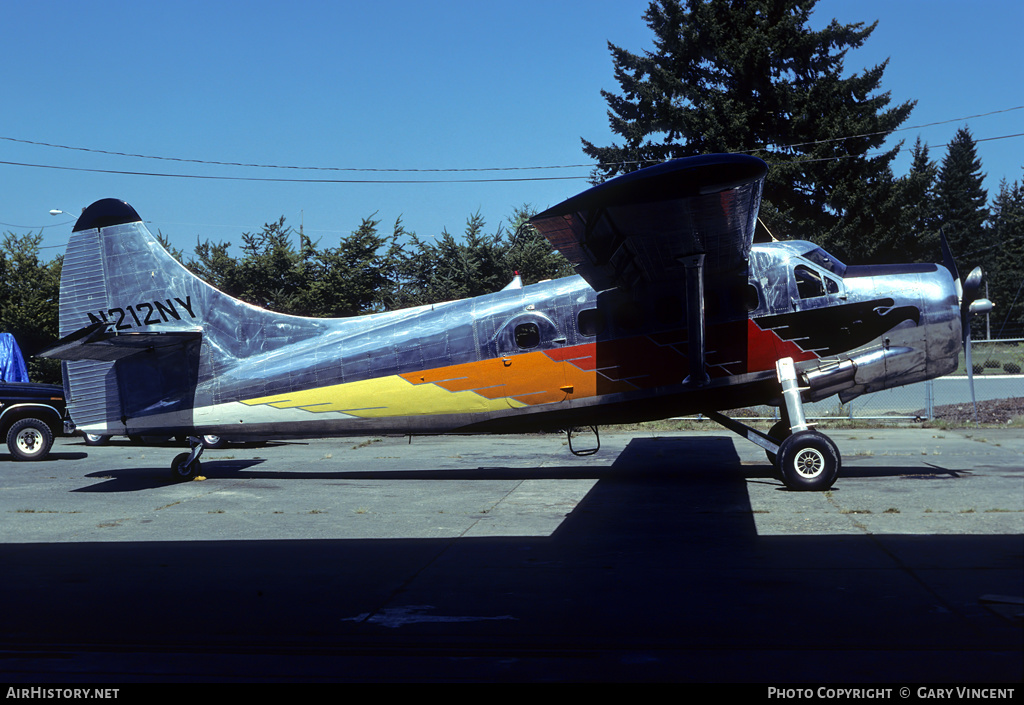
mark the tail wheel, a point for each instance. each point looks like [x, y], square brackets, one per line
[29, 439]
[809, 461]
[182, 470]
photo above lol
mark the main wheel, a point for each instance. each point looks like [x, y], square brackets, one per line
[182, 472]
[29, 439]
[809, 461]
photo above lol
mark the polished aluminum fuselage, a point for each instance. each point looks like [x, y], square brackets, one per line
[551, 355]
[921, 302]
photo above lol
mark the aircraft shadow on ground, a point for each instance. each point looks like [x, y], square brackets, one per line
[657, 574]
[676, 457]
[147, 478]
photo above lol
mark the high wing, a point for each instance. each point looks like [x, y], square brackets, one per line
[674, 222]
[644, 226]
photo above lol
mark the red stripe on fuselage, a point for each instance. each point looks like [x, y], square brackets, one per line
[765, 348]
[649, 361]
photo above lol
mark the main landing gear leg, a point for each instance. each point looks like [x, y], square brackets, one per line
[806, 460]
[186, 465]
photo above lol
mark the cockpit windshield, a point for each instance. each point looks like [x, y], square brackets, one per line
[826, 261]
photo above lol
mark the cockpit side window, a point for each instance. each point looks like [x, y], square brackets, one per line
[808, 282]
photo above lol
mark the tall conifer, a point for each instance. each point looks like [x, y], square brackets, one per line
[753, 77]
[961, 199]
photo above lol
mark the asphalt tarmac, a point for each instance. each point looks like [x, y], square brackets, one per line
[674, 557]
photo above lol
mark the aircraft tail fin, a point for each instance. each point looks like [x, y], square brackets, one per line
[133, 322]
[116, 273]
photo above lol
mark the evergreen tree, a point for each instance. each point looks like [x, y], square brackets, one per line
[919, 220]
[961, 207]
[29, 292]
[369, 272]
[308, 281]
[1006, 276]
[530, 254]
[346, 280]
[269, 274]
[447, 269]
[912, 234]
[961, 203]
[479, 263]
[751, 76]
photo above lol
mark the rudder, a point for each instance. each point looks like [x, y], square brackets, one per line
[117, 281]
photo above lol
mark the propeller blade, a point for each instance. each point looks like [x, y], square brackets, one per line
[969, 294]
[947, 256]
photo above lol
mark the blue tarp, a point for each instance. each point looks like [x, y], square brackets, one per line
[12, 364]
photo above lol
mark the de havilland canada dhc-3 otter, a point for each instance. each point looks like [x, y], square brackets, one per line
[675, 310]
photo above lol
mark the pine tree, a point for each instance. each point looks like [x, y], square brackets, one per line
[961, 207]
[961, 203]
[1006, 276]
[530, 254]
[914, 237]
[920, 197]
[346, 280]
[29, 291]
[733, 76]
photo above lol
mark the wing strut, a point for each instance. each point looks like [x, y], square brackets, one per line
[694, 264]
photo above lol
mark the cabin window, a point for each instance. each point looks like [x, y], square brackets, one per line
[527, 335]
[808, 283]
[590, 322]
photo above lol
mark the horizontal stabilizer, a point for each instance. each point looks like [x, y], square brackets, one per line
[97, 342]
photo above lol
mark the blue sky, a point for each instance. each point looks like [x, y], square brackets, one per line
[400, 85]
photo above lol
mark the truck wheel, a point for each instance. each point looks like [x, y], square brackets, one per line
[29, 439]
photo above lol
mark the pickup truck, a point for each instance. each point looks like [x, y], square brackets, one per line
[31, 415]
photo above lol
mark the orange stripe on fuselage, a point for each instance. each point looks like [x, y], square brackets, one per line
[531, 378]
[608, 367]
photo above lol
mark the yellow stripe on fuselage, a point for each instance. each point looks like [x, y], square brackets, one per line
[386, 396]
